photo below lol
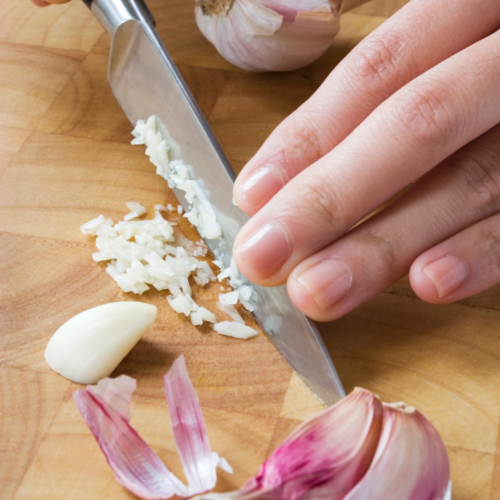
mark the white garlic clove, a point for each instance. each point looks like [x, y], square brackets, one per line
[90, 345]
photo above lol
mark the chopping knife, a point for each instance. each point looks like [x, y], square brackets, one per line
[145, 82]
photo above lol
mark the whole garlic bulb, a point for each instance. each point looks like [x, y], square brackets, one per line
[269, 35]
[358, 449]
[89, 346]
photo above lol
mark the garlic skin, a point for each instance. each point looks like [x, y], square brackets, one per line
[105, 407]
[411, 462]
[90, 345]
[269, 35]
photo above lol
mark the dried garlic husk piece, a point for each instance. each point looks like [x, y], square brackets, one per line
[90, 345]
[105, 407]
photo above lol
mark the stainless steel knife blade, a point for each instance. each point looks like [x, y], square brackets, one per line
[145, 81]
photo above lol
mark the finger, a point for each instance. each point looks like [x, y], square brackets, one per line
[461, 191]
[406, 136]
[421, 35]
[40, 3]
[43, 3]
[464, 265]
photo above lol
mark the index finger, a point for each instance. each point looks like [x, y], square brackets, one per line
[417, 38]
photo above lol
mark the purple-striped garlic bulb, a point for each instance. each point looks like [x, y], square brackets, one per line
[359, 449]
[269, 35]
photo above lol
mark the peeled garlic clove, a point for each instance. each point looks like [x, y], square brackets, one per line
[411, 462]
[90, 345]
[324, 458]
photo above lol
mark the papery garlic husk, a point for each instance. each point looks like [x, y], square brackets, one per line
[90, 345]
[324, 458]
[105, 407]
[411, 462]
[269, 35]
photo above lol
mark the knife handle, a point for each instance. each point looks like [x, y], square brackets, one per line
[113, 13]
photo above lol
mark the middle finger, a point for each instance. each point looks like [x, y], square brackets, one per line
[418, 37]
[405, 137]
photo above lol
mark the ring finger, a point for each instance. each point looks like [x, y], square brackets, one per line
[464, 265]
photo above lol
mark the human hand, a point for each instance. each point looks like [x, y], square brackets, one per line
[43, 3]
[419, 97]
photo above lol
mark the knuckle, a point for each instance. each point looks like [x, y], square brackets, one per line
[375, 62]
[492, 235]
[301, 140]
[384, 247]
[480, 180]
[424, 112]
[489, 237]
[306, 134]
[319, 197]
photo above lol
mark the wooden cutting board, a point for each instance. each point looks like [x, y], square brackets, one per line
[65, 158]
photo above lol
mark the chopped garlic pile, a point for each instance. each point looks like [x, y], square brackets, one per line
[141, 255]
[158, 147]
[164, 154]
[140, 251]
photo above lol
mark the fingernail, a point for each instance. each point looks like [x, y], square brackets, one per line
[266, 250]
[260, 187]
[327, 282]
[447, 274]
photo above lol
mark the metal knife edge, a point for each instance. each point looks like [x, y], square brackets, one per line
[131, 27]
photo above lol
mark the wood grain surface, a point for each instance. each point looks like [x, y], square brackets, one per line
[65, 158]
